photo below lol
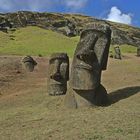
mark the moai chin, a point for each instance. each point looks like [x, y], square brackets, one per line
[117, 52]
[29, 63]
[58, 74]
[90, 58]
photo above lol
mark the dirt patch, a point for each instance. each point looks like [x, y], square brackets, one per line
[28, 113]
[14, 76]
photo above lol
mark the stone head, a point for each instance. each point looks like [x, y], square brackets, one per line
[29, 63]
[58, 73]
[90, 57]
[138, 51]
[117, 52]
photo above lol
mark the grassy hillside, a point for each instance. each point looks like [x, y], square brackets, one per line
[27, 112]
[37, 41]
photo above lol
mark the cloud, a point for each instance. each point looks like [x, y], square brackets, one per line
[116, 15]
[75, 4]
[41, 5]
[5, 4]
[31, 5]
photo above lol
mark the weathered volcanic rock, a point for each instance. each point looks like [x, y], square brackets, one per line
[58, 74]
[138, 51]
[90, 58]
[117, 52]
[29, 63]
[72, 25]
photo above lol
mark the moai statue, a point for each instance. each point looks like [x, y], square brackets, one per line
[89, 60]
[138, 51]
[29, 63]
[117, 52]
[58, 74]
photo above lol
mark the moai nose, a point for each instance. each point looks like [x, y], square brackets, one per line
[56, 71]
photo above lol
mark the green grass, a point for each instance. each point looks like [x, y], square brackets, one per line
[124, 49]
[36, 41]
[40, 42]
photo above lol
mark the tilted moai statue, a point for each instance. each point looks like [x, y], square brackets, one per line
[89, 60]
[58, 74]
[138, 51]
[117, 52]
[29, 63]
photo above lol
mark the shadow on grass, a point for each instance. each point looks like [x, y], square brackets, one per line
[123, 93]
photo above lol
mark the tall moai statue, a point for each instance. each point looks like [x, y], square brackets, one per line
[90, 58]
[58, 74]
[117, 52]
[138, 51]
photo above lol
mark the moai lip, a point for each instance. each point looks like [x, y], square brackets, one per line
[29, 63]
[117, 54]
[90, 58]
[58, 74]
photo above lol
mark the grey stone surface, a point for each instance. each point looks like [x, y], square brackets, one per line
[29, 63]
[58, 74]
[90, 58]
[117, 53]
[138, 51]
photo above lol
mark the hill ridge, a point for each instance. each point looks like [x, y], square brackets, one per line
[69, 24]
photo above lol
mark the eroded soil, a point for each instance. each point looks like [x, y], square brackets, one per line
[28, 113]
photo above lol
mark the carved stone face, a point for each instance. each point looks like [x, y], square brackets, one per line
[117, 52]
[138, 51]
[58, 74]
[90, 58]
[29, 63]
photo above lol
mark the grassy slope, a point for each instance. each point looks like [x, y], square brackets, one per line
[36, 41]
[28, 113]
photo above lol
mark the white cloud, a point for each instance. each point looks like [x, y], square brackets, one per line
[116, 15]
[41, 5]
[33, 5]
[5, 5]
[37, 5]
[75, 4]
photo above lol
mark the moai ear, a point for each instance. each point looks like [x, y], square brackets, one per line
[102, 50]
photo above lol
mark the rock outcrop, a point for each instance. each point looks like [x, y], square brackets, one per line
[69, 25]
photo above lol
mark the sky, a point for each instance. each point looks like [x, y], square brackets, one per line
[122, 11]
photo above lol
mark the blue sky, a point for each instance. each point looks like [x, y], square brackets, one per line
[123, 11]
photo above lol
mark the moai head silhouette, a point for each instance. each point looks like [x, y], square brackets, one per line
[138, 51]
[117, 52]
[58, 74]
[90, 58]
[29, 63]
